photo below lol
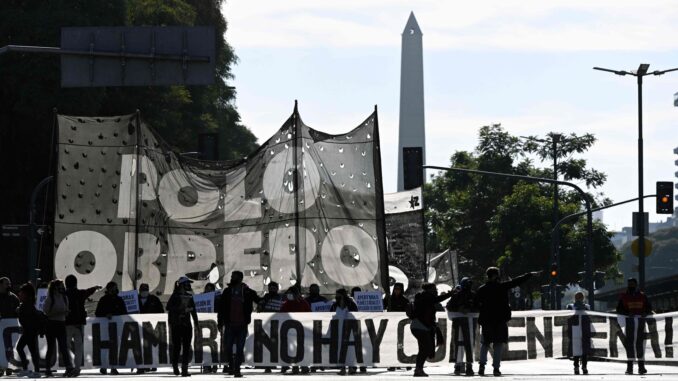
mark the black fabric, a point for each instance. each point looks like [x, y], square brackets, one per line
[31, 320]
[463, 301]
[30, 340]
[494, 309]
[237, 215]
[350, 303]
[425, 307]
[396, 303]
[152, 305]
[9, 302]
[56, 336]
[426, 345]
[76, 304]
[110, 305]
[182, 335]
[405, 237]
[250, 298]
[181, 308]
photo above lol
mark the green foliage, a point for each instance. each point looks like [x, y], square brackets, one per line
[492, 220]
[31, 88]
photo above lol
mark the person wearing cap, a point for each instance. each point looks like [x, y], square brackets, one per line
[235, 314]
[180, 309]
[463, 301]
[148, 304]
[580, 350]
[111, 304]
[634, 304]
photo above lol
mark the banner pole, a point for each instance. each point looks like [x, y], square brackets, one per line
[295, 163]
[137, 200]
[379, 204]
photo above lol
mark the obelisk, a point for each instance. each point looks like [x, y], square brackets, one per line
[411, 137]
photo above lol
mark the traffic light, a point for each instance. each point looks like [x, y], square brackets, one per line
[554, 270]
[599, 279]
[664, 197]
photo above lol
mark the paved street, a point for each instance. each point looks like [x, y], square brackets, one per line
[514, 370]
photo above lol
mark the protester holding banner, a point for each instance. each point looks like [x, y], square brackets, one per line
[180, 309]
[582, 346]
[32, 324]
[314, 295]
[76, 318]
[235, 315]
[294, 302]
[494, 313]
[56, 308]
[272, 301]
[397, 302]
[343, 306]
[209, 293]
[149, 303]
[463, 301]
[424, 326]
[110, 305]
[8, 305]
[635, 304]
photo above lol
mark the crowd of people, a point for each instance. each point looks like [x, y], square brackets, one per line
[63, 317]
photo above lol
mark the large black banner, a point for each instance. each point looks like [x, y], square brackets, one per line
[405, 239]
[206, 219]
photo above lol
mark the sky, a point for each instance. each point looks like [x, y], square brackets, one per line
[525, 64]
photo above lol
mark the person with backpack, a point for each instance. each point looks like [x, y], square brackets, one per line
[76, 318]
[32, 324]
[56, 309]
[424, 326]
[235, 314]
[462, 301]
[635, 304]
[494, 313]
[180, 309]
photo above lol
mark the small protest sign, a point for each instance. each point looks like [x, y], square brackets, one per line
[369, 301]
[131, 299]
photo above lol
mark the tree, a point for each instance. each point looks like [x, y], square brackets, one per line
[499, 221]
[31, 89]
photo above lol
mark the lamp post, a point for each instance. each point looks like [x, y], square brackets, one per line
[639, 74]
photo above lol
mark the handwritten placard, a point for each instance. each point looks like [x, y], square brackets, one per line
[131, 299]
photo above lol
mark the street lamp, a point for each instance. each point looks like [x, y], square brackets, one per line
[643, 70]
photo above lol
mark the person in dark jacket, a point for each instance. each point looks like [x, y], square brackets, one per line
[585, 340]
[180, 309]
[342, 307]
[272, 300]
[9, 302]
[397, 302]
[32, 324]
[149, 303]
[494, 313]
[235, 314]
[462, 301]
[424, 326]
[314, 295]
[110, 305]
[633, 303]
[76, 318]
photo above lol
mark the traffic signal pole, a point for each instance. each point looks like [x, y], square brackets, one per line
[585, 197]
